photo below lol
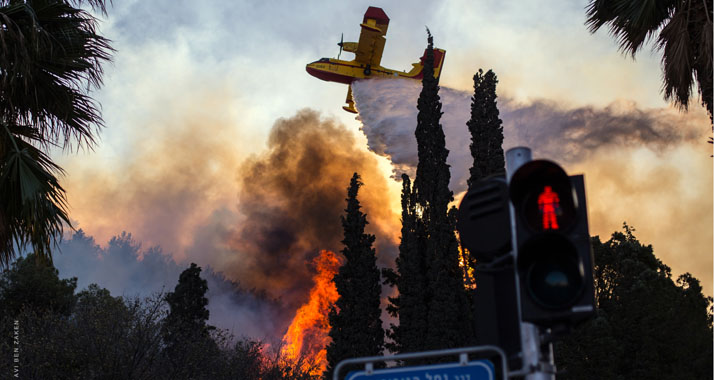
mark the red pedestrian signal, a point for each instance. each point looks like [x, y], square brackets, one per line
[553, 259]
[549, 207]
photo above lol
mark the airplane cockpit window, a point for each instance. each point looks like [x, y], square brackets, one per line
[324, 60]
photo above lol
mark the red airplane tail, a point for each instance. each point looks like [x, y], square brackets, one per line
[417, 71]
[439, 55]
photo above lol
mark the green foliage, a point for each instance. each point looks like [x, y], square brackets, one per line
[355, 321]
[35, 284]
[486, 129]
[51, 59]
[647, 326]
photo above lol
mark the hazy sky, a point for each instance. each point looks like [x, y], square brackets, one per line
[196, 87]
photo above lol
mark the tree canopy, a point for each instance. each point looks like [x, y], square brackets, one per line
[355, 320]
[486, 129]
[647, 325]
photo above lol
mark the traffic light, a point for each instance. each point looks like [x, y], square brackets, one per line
[554, 257]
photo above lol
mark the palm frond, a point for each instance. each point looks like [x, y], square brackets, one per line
[33, 204]
[677, 58]
[56, 59]
[97, 5]
[631, 22]
[703, 59]
[51, 58]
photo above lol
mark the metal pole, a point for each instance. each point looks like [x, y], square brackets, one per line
[515, 158]
[535, 368]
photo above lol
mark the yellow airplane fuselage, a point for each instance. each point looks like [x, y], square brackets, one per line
[335, 70]
[340, 71]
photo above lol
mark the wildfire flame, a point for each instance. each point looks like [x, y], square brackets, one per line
[307, 337]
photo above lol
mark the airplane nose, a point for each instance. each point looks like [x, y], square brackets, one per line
[312, 71]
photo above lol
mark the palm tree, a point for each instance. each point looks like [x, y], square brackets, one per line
[50, 60]
[685, 39]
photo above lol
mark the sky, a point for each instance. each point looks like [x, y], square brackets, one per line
[215, 136]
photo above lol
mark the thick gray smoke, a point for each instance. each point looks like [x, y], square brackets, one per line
[648, 167]
[388, 114]
[291, 199]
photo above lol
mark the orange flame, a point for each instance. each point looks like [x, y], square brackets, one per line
[307, 336]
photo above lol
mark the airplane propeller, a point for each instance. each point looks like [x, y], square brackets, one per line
[340, 45]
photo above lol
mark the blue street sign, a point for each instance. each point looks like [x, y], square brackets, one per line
[474, 370]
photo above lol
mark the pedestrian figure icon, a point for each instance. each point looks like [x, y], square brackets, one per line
[549, 206]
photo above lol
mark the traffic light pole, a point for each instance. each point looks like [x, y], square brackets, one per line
[537, 364]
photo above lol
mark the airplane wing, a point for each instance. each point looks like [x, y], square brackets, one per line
[371, 38]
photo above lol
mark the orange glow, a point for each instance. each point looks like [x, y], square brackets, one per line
[548, 204]
[307, 336]
[468, 270]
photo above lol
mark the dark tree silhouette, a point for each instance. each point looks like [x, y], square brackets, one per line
[486, 129]
[410, 305]
[186, 325]
[449, 322]
[428, 239]
[37, 286]
[647, 326]
[355, 321]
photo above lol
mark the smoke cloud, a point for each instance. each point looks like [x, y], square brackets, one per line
[291, 198]
[649, 167]
[258, 220]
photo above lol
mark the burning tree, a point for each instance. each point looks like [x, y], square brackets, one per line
[356, 326]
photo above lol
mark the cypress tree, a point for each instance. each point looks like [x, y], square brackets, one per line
[448, 307]
[355, 323]
[432, 306]
[486, 129]
[410, 305]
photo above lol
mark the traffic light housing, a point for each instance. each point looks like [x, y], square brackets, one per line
[484, 220]
[554, 256]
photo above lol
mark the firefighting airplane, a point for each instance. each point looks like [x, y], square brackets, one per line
[368, 53]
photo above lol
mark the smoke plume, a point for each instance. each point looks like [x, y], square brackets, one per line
[649, 167]
[177, 194]
[388, 114]
[291, 198]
